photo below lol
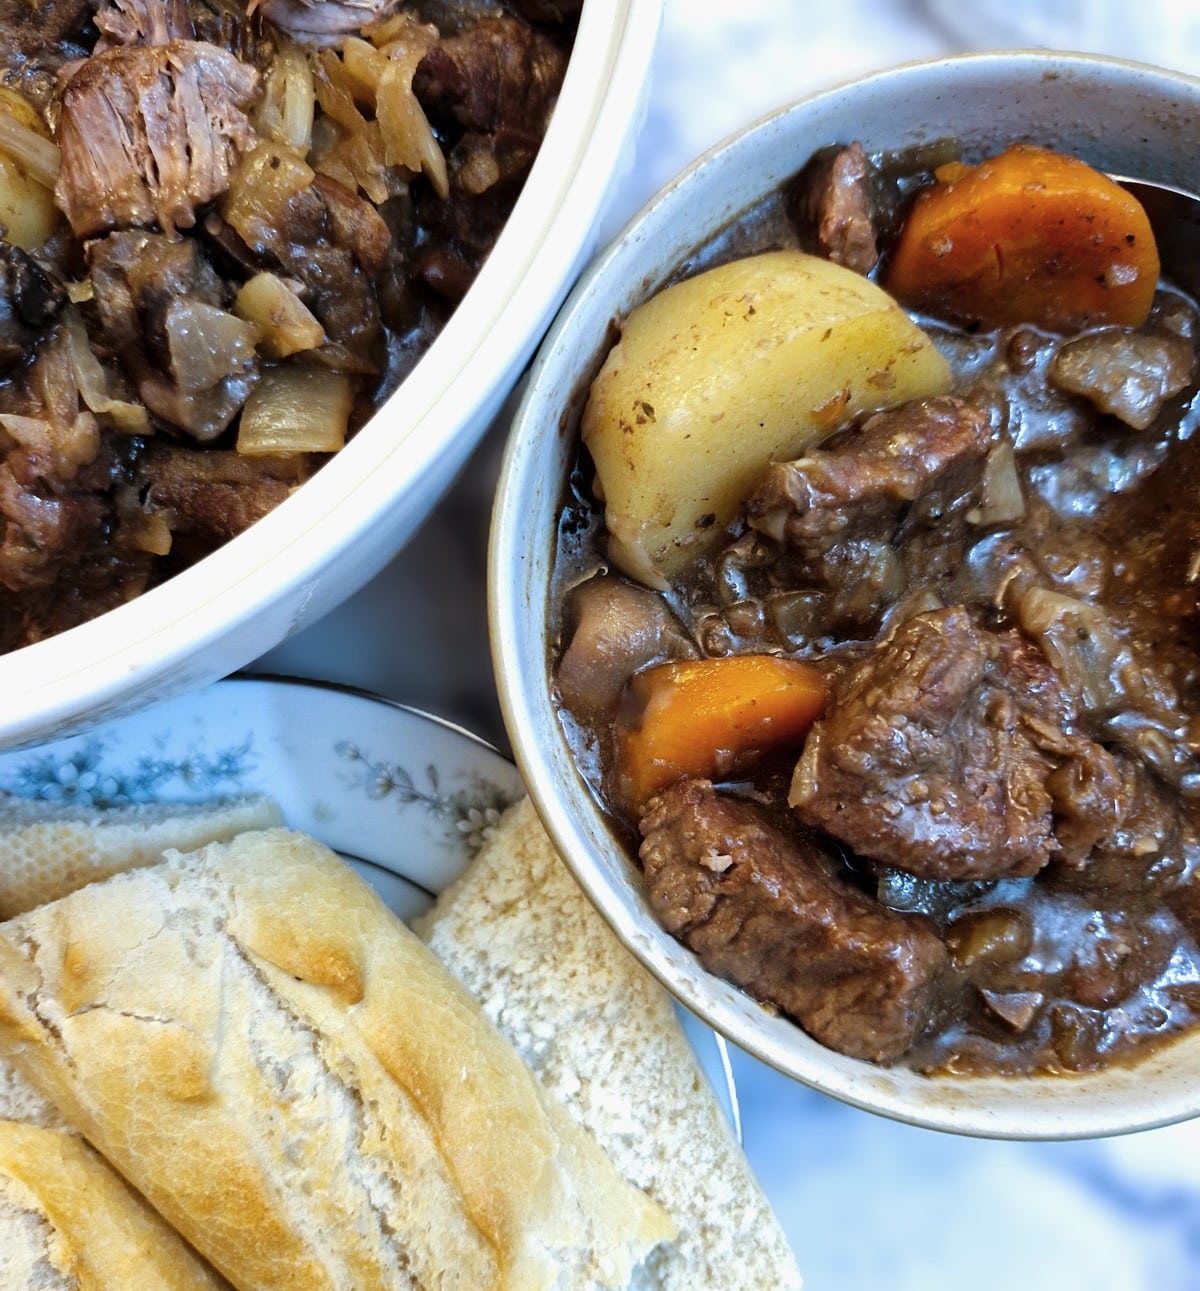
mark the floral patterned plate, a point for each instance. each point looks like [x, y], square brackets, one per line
[407, 798]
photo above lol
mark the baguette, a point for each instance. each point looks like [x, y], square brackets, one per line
[69, 1223]
[295, 1083]
[50, 849]
[604, 1039]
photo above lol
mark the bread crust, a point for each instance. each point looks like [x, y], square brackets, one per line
[295, 1083]
[95, 1232]
[48, 849]
[603, 1037]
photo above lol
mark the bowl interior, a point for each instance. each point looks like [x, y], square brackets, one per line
[1123, 118]
[342, 527]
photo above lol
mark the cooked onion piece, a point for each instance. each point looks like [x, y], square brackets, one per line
[296, 410]
[286, 324]
[286, 112]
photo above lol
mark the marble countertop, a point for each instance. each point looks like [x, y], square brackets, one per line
[867, 1203]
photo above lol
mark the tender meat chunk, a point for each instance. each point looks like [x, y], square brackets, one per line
[916, 464]
[142, 22]
[30, 300]
[491, 88]
[161, 310]
[832, 198]
[950, 752]
[1128, 374]
[148, 133]
[615, 629]
[767, 912]
[325, 22]
[210, 496]
[850, 514]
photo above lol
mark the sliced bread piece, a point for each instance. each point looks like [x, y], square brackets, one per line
[70, 1223]
[49, 849]
[301, 1089]
[604, 1039]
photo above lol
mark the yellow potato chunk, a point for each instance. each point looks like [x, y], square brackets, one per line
[718, 376]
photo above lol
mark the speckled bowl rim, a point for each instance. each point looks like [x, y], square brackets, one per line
[1080, 102]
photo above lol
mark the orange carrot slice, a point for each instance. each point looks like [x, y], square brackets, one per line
[710, 717]
[1030, 236]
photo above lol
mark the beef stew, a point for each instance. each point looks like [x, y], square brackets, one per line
[982, 857]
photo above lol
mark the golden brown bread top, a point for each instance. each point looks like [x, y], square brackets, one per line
[298, 1086]
[97, 1231]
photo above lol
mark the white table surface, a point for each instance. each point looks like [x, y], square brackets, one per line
[867, 1203]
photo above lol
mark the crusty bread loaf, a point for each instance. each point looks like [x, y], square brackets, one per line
[50, 849]
[603, 1037]
[297, 1085]
[20, 1101]
[69, 1223]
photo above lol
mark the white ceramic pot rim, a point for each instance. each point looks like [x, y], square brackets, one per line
[283, 568]
[1162, 1088]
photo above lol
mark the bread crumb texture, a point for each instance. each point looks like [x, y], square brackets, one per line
[301, 1089]
[603, 1037]
[50, 849]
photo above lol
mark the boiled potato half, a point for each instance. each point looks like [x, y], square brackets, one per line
[718, 376]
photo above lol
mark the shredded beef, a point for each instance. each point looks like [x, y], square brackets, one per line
[765, 910]
[148, 133]
[950, 752]
[142, 22]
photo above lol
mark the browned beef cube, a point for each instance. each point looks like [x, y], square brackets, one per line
[950, 752]
[767, 911]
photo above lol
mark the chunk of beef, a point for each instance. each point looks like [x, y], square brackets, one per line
[914, 465]
[309, 227]
[325, 22]
[832, 201]
[161, 311]
[767, 912]
[211, 496]
[148, 133]
[849, 514]
[1128, 374]
[950, 752]
[615, 629]
[30, 300]
[142, 22]
[492, 88]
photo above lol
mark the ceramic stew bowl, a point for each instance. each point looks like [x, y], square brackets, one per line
[342, 527]
[1121, 117]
